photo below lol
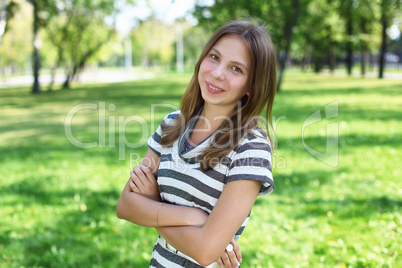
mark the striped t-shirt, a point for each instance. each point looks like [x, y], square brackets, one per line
[181, 181]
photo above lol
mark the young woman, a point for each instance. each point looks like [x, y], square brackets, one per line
[207, 163]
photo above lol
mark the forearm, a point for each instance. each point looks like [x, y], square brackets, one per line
[206, 243]
[194, 241]
[143, 211]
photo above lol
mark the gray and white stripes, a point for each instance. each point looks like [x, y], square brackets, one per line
[182, 182]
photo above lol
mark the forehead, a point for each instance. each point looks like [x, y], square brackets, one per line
[233, 47]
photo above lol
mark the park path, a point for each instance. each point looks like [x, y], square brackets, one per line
[111, 76]
[98, 76]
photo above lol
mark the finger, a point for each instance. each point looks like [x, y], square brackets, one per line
[148, 173]
[140, 175]
[138, 183]
[236, 249]
[219, 262]
[225, 260]
[133, 187]
[232, 259]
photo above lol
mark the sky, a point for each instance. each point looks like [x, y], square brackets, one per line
[394, 32]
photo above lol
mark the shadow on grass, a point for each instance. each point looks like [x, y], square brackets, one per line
[137, 91]
[88, 236]
[345, 141]
[350, 208]
[78, 236]
[296, 113]
[303, 182]
[297, 186]
[390, 90]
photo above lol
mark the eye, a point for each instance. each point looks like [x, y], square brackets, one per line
[213, 56]
[237, 69]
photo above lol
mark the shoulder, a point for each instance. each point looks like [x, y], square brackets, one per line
[251, 160]
[173, 115]
[255, 141]
[170, 118]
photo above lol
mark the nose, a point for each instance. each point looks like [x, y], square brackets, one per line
[218, 73]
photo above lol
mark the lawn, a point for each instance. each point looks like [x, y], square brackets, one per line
[340, 209]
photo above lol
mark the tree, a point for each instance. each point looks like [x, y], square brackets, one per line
[7, 11]
[346, 10]
[290, 14]
[153, 43]
[78, 29]
[388, 10]
[214, 16]
[82, 30]
[318, 34]
[194, 39]
[3, 18]
[36, 60]
[281, 16]
[57, 33]
[43, 10]
[366, 20]
[14, 51]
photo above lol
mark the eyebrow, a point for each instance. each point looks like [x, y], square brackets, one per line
[235, 62]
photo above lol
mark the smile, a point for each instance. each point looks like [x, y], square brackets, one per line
[213, 89]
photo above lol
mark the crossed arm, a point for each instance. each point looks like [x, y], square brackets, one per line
[202, 237]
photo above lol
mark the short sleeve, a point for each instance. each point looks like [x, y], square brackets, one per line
[155, 139]
[252, 161]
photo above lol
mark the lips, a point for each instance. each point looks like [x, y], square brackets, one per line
[213, 88]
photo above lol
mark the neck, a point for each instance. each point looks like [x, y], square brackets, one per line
[215, 115]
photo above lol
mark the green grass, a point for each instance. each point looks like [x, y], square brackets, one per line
[58, 201]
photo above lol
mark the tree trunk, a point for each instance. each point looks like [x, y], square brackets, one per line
[36, 60]
[66, 84]
[56, 66]
[363, 61]
[52, 76]
[384, 23]
[317, 61]
[349, 46]
[288, 38]
[78, 66]
[332, 62]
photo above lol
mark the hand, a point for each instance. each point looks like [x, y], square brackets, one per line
[232, 258]
[143, 181]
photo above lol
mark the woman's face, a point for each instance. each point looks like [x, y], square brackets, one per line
[225, 71]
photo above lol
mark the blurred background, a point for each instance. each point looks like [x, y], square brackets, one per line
[84, 83]
[59, 41]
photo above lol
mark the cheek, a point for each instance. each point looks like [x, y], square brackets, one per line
[246, 84]
[241, 84]
[201, 71]
[206, 65]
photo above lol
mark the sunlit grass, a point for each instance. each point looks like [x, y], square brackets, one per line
[58, 200]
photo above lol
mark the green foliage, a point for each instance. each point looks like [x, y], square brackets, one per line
[153, 43]
[194, 39]
[85, 26]
[223, 11]
[14, 50]
[11, 9]
[321, 31]
[58, 201]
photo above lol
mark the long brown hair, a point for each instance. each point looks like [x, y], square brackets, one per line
[246, 116]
